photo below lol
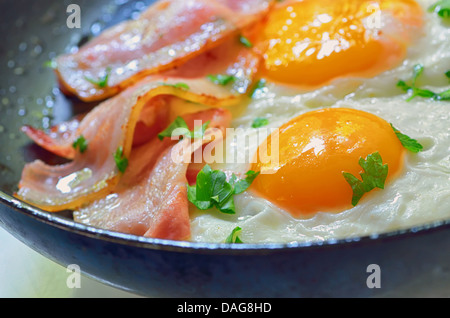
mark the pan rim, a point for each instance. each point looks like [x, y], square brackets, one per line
[201, 248]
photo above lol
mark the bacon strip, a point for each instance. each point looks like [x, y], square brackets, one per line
[108, 127]
[165, 36]
[60, 138]
[230, 58]
[151, 198]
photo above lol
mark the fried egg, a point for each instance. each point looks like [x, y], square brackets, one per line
[309, 43]
[331, 71]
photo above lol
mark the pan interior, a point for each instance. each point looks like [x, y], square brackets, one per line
[29, 94]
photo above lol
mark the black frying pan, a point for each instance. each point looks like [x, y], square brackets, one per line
[33, 32]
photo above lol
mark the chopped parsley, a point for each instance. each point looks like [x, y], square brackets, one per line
[233, 237]
[102, 82]
[259, 86]
[221, 79]
[51, 64]
[442, 8]
[179, 127]
[417, 71]
[407, 142]
[420, 92]
[374, 176]
[213, 190]
[444, 95]
[81, 143]
[245, 41]
[243, 184]
[260, 122]
[177, 85]
[121, 160]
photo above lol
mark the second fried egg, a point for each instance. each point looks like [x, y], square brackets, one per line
[309, 43]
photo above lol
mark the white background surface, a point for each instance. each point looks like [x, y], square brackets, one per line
[25, 273]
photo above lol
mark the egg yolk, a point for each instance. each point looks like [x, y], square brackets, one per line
[314, 150]
[311, 42]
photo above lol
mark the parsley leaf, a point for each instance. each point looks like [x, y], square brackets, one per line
[179, 127]
[178, 123]
[221, 79]
[233, 237]
[443, 96]
[258, 88]
[213, 190]
[416, 91]
[442, 8]
[51, 64]
[177, 85]
[417, 71]
[102, 82]
[121, 160]
[260, 122]
[243, 184]
[374, 176]
[245, 41]
[407, 142]
[81, 143]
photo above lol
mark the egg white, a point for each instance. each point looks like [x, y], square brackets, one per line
[420, 195]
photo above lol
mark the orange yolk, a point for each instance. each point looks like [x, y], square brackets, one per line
[311, 42]
[314, 150]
